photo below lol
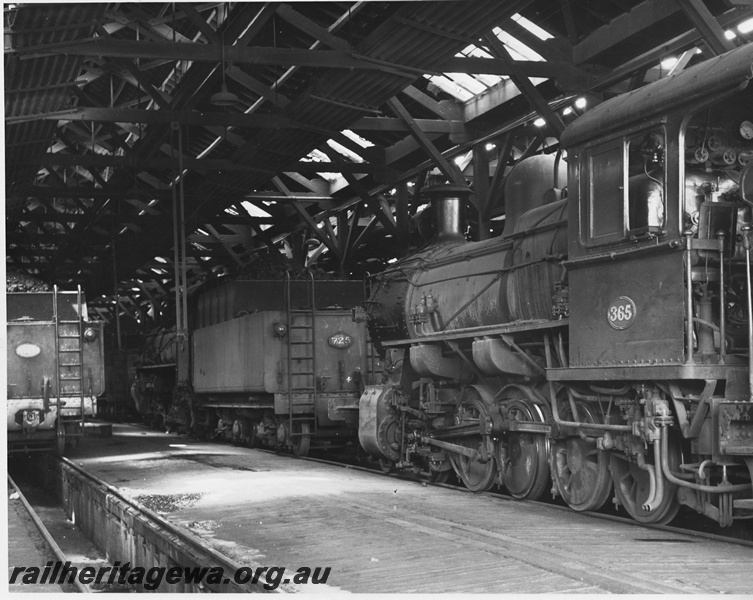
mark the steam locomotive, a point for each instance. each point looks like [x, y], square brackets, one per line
[55, 367]
[268, 363]
[602, 344]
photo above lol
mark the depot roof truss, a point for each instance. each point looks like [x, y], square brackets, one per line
[336, 114]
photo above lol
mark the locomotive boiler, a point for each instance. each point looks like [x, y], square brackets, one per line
[601, 346]
[55, 369]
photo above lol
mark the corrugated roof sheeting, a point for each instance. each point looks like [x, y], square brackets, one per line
[43, 84]
[394, 40]
[373, 88]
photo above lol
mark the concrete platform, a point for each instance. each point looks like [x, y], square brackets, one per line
[379, 534]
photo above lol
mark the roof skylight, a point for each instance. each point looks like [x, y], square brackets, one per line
[532, 27]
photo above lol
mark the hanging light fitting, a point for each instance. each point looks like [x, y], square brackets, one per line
[224, 97]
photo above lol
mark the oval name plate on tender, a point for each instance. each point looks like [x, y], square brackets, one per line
[28, 350]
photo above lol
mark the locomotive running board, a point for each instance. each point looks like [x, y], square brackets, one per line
[641, 372]
[484, 330]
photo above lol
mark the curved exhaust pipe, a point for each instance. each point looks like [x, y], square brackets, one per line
[649, 504]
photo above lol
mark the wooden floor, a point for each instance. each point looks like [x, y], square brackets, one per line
[380, 534]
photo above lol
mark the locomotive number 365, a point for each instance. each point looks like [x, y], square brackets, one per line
[621, 313]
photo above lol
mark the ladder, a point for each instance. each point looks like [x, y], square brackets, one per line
[301, 342]
[69, 358]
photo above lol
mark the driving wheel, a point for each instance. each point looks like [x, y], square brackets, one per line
[526, 468]
[579, 469]
[632, 486]
[477, 473]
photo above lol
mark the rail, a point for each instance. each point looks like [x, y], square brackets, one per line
[48, 539]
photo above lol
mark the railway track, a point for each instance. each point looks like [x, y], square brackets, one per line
[52, 548]
[117, 524]
[420, 540]
[590, 561]
[177, 543]
[685, 524]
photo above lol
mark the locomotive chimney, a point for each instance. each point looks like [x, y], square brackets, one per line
[448, 209]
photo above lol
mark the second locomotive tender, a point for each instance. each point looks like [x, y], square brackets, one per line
[55, 369]
[267, 363]
[602, 344]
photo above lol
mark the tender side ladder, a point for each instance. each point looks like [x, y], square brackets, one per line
[70, 361]
[301, 341]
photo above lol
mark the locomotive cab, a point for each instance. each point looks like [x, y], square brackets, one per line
[659, 265]
[657, 224]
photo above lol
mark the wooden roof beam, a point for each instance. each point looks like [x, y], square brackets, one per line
[315, 186]
[427, 125]
[570, 25]
[225, 243]
[528, 89]
[206, 29]
[448, 170]
[620, 29]
[707, 25]
[386, 218]
[165, 117]
[316, 231]
[296, 19]
[677, 44]
[262, 55]
[257, 87]
[439, 109]
[163, 162]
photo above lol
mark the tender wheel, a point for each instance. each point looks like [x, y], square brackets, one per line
[254, 439]
[580, 470]
[240, 431]
[526, 464]
[301, 443]
[632, 486]
[477, 476]
[245, 433]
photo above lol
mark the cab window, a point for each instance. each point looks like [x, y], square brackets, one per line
[625, 188]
